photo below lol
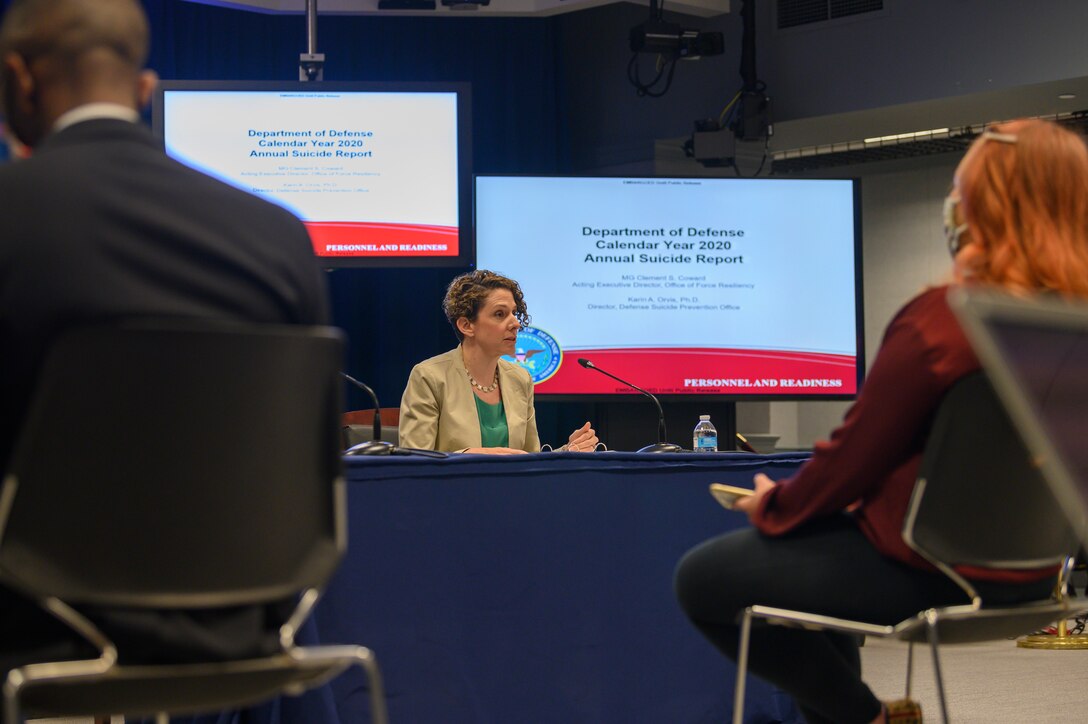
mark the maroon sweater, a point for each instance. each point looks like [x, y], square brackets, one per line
[872, 459]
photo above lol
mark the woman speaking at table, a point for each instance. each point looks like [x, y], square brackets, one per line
[470, 399]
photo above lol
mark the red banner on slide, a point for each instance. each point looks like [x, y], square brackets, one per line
[363, 239]
[695, 371]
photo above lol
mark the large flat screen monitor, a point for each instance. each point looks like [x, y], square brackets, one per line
[744, 288]
[379, 173]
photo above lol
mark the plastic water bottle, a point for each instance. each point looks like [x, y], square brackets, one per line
[705, 436]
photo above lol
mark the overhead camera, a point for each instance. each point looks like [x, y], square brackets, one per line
[713, 144]
[672, 41]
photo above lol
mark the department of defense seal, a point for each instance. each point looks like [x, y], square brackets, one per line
[538, 352]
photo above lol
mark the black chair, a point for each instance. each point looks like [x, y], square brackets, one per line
[979, 501]
[358, 426]
[205, 474]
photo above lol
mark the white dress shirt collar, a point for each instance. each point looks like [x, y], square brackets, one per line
[94, 111]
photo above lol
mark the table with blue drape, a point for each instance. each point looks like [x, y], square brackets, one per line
[530, 588]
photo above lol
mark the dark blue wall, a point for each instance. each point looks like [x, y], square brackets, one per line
[392, 316]
[530, 114]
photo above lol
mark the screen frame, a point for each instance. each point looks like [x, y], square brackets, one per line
[859, 300]
[466, 252]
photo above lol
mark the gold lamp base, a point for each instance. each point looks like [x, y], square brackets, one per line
[1062, 640]
[1043, 641]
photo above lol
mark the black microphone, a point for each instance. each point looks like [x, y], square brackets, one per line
[377, 446]
[660, 445]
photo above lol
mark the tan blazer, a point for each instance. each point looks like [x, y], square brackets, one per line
[438, 409]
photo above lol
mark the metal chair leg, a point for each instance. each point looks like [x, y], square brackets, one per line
[910, 666]
[369, 662]
[742, 666]
[931, 634]
[11, 699]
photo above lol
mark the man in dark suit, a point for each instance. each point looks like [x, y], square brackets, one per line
[99, 224]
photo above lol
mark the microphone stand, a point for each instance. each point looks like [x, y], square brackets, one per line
[662, 435]
[376, 446]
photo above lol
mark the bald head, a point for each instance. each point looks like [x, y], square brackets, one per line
[70, 28]
[59, 54]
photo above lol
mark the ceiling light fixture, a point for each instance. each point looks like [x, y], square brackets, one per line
[911, 136]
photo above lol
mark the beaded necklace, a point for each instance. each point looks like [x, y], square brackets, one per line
[491, 388]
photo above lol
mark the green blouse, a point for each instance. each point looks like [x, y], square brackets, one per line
[493, 429]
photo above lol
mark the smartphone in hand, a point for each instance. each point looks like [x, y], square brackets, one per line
[727, 495]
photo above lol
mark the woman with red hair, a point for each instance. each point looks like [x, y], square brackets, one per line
[1019, 196]
[1017, 220]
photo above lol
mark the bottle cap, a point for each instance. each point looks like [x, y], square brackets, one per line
[704, 417]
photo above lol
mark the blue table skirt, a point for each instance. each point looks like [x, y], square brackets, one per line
[524, 589]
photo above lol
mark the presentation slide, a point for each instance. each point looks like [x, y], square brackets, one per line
[682, 286]
[371, 174]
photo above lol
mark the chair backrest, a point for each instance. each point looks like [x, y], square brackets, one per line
[1035, 350]
[354, 434]
[390, 417]
[178, 466]
[357, 426]
[980, 499]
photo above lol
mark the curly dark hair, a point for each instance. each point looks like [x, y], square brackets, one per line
[467, 292]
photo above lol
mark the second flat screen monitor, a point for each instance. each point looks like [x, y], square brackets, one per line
[747, 288]
[379, 173]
